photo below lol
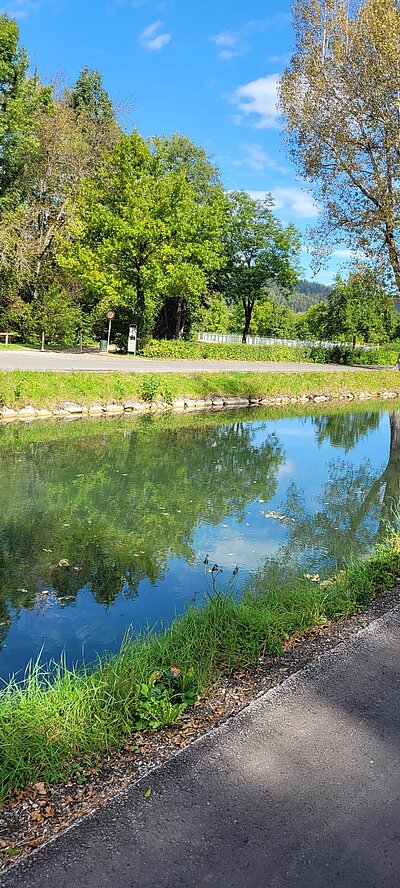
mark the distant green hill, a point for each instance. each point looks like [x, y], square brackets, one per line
[307, 293]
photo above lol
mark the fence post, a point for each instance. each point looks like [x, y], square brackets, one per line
[42, 349]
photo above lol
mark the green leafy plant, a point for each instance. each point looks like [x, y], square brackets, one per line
[149, 387]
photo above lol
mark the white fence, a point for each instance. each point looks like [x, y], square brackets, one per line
[235, 338]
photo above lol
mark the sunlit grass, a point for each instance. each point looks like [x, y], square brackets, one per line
[48, 389]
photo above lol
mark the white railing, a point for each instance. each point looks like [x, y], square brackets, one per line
[236, 338]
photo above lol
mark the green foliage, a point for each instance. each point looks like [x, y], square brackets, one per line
[141, 237]
[150, 387]
[360, 308]
[215, 316]
[269, 318]
[164, 697]
[158, 348]
[259, 251]
[55, 314]
[22, 98]
[88, 96]
[312, 324]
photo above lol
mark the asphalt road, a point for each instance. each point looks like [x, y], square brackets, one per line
[28, 359]
[301, 789]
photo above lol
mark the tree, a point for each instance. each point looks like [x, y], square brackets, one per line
[340, 95]
[88, 97]
[312, 324]
[67, 144]
[259, 251]
[142, 235]
[22, 97]
[360, 308]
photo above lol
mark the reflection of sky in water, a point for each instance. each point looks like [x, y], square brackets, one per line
[86, 627]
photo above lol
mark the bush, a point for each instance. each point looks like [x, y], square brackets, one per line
[220, 351]
[57, 315]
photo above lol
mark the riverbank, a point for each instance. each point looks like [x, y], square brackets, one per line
[54, 726]
[29, 395]
[30, 818]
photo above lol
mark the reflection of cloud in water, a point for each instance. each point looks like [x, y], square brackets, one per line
[297, 432]
[288, 469]
[245, 552]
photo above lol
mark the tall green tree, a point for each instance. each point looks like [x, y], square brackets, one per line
[22, 97]
[141, 236]
[340, 97]
[67, 140]
[259, 251]
[89, 97]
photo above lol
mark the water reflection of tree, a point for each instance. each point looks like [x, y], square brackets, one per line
[109, 508]
[356, 507]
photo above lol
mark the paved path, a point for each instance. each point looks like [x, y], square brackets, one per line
[28, 359]
[301, 789]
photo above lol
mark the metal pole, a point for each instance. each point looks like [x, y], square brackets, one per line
[42, 340]
[109, 335]
[81, 343]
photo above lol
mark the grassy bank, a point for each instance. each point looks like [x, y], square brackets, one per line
[52, 723]
[20, 388]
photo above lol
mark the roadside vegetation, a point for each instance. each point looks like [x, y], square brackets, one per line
[58, 718]
[21, 388]
[220, 351]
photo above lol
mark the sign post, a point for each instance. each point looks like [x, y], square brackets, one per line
[132, 340]
[110, 315]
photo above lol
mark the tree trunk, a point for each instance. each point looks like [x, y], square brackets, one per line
[393, 254]
[140, 300]
[248, 311]
[178, 320]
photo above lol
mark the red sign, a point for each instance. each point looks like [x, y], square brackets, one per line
[110, 315]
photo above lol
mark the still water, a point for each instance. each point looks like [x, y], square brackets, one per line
[105, 525]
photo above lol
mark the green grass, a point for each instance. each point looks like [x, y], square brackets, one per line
[42, 389]
[53, 724]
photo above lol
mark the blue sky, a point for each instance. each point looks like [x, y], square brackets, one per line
[206, 68]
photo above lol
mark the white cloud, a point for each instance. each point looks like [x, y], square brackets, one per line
[20, 9]
[256, 158]
[154, 37]
[235, 43]
[258, 101]
[295, 201]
